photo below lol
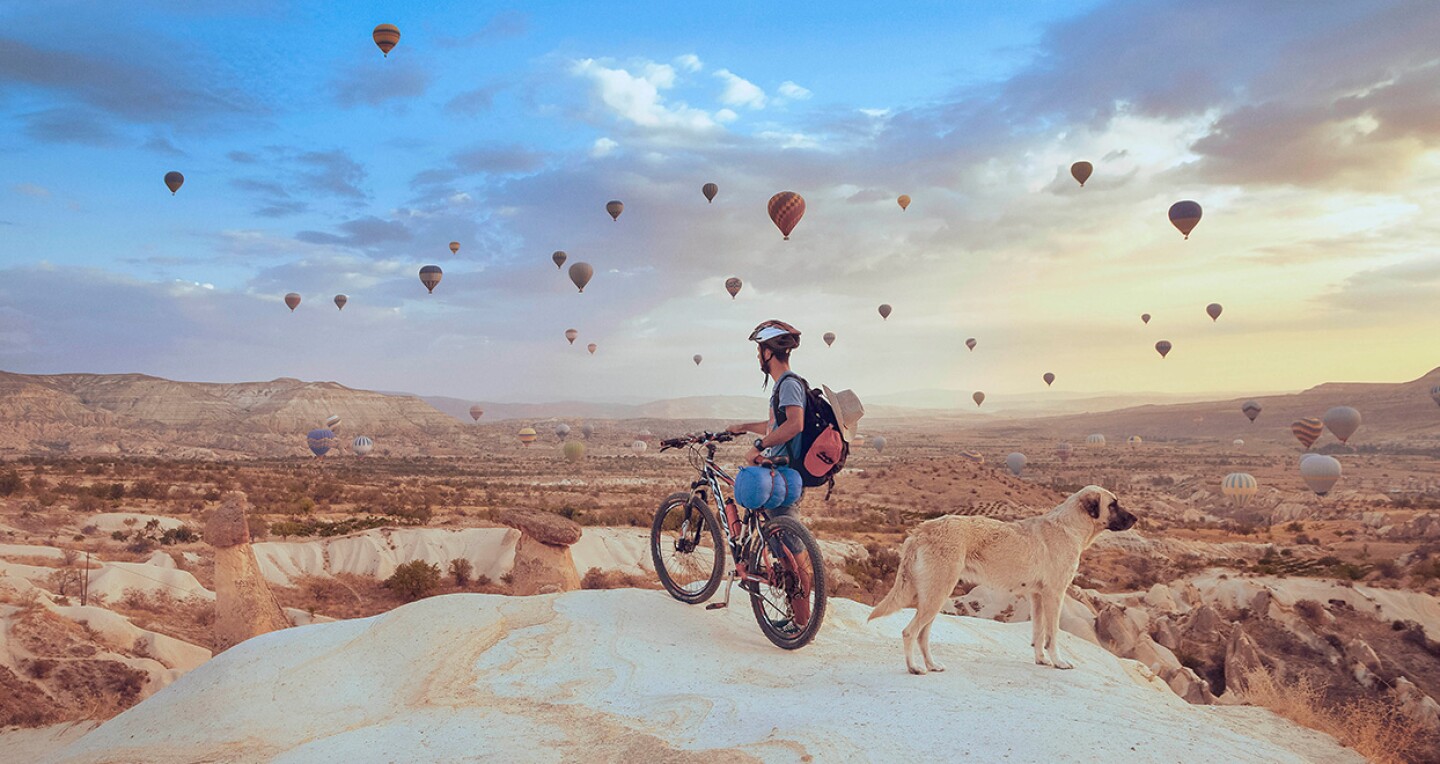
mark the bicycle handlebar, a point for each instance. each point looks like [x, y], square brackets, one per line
[696, 438]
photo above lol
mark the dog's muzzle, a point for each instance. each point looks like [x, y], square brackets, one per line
[1122, 521]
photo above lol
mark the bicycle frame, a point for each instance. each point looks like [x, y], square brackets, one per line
[741, 530]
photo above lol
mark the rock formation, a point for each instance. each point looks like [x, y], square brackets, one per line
[244, 604]
[543, 564]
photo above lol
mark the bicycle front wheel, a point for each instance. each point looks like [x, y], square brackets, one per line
[791, 605]
[687, 548]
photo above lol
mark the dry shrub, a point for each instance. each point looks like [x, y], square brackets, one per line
[1374, 727]
[596, 578]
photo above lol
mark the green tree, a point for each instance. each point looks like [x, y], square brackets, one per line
[414, 580]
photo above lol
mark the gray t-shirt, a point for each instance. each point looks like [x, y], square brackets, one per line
[791, 393]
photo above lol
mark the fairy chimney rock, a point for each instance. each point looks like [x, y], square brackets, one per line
[244, 605]
[543, 564]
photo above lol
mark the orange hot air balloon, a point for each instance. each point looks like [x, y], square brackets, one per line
[904, 202]
[386, 36]
[786, 208]
[454, 247]
[559, 258]
[580, 275]
[1080, 171]
[430, 276]
[615, 207]
[476, 412]
[1307, 430]
[829, 339]
[591, 347]
[885, 311]
[710, 190]
[292, 300]
[571, 334]
[1163, 348]
[173, 181]
[732, 285]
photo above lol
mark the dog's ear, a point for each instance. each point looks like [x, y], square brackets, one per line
[1091, 503]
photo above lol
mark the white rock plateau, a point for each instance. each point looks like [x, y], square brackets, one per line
[631, 675]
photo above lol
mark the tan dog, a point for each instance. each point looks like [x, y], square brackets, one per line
[1037, 556]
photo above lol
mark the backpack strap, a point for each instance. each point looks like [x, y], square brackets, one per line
[775, 396]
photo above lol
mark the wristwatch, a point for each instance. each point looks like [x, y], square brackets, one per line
[759, 444]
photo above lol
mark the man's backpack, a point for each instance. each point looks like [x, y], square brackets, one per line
[823, 448]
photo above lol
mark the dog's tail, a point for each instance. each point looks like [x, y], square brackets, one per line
[902, 594]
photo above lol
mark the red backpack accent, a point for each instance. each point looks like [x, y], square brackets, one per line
[823, 449]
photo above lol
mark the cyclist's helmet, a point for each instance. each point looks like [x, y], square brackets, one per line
[776, 335]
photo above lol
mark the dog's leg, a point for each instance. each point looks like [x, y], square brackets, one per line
[931, 589]
[1038, 631]
[1052, 603]
[930, 663]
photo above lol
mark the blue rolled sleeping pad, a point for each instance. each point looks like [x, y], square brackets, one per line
[767, 487]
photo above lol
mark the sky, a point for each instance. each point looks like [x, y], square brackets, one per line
[313, 164]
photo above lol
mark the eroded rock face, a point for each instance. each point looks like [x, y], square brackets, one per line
[1190, 687]
[1242, 658]
[244, 605]
[543, 564]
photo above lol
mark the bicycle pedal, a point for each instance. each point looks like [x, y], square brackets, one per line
[715, 606]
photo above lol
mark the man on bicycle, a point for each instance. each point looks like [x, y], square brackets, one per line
[780, 433]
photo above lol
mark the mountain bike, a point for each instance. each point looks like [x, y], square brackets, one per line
[776, 559]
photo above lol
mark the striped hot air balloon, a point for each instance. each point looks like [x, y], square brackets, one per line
[362, 445]
[733, 285]
[1134, 440]
[430, 276]
[527, 435]
[292, 301]
[710, 190]
[1063, 451]
[332, 420]
[1095, 441]
[1239, 488]
[476, 412]
[1250, 409]
[639, 446]
[320, 441]
[386, 36]
[1435, 394]
[830, 340]
[974, 457]
[1307, 430]
[562, 431]
[615, 207]
[573, 451]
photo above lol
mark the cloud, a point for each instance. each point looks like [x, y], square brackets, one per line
[487, 161]
[300, 178]
[794, 92]
[1407, 288]
[372, 83]
[70, 125]
[689, 62]
[505, 25]
[636, 97]
[367, 233]
[473, 102]
[602, 147]
[32, 190]
[162, 145]
[740, 91]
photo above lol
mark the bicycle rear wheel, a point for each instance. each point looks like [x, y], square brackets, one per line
[791, 605]
[687, 548]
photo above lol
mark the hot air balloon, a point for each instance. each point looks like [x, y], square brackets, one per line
[1134, 440]
[857, 441]
[580, 275]
[340, 301]
[638, 446]
[527, 435]
[829, 338]
[978, 397]
[1320, 472]
[786, 208]
[1184, 215]
[1214, 309]
[591, 347]
[1016, 463]
[430, 276]
[614, 207]
[1049, 378]
[1307, 430]
[573, 451]
[1163, 348]
[974, 457]
[1063, 451]
[878, 443]
[586, 430]
[1250, 409]
[562, 431]
[173, 181]
[1435, 394]
[476, 412]
[1095, 441]
[454, 247]
[971, 343]
[1239, 488]
[885, 311]
[320, 441]
[697, 358]
[1238, 443]
[386, 36]
[1080, 171]
[559, 257]
[904, 202]
[732, 285]
[292, 300]
[362, 445]
[571, 334]
[1145, 318]
[332, 420]
[1343, 421]
[710, 190]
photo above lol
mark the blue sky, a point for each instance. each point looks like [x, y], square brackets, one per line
[315, 165]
